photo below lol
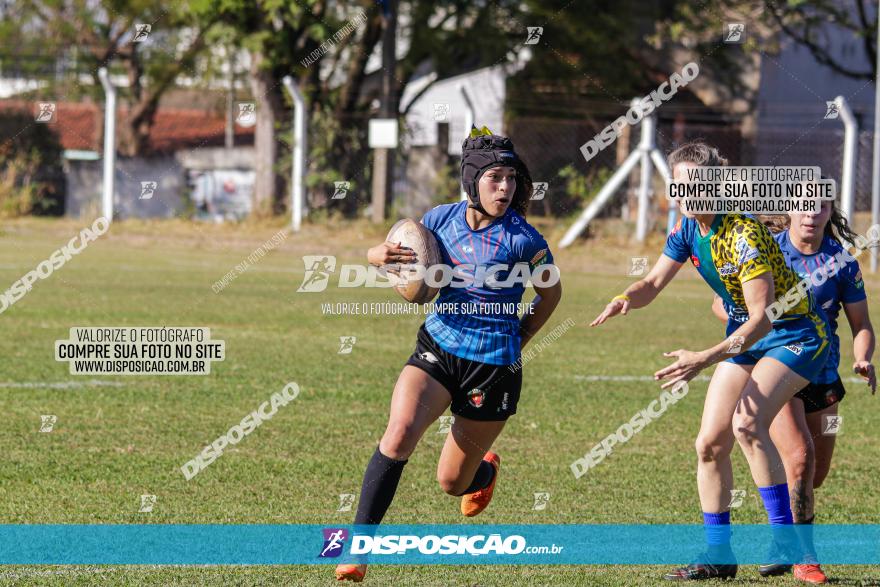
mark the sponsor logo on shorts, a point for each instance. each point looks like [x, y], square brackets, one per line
[429, 357]
[334, 539]
[795, 348]
[476, 397]
[831, 397]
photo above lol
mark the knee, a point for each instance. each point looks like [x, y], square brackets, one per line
[745, 429]
[800, 461]
[399, 441]
[451, 483]
[710, 449]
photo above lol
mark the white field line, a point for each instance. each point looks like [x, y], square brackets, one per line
[59, 384]
[650, 378]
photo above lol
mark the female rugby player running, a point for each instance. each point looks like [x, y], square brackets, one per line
[761, 365]
[813, 246]
[463, 359]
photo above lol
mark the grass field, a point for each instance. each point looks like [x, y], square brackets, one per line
[118, 437]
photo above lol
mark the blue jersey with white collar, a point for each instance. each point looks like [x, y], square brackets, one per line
[486, 335]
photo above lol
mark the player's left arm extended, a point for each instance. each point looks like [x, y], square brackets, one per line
[863, 340]
[542, 307]
[758, 294]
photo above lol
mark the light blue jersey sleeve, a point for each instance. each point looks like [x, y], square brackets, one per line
[677, 247]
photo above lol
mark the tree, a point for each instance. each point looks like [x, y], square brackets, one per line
[90, 35]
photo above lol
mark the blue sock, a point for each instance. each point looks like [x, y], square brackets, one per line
[777, 503]
[717, 527]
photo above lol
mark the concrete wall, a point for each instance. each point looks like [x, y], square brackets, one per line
[132, 198]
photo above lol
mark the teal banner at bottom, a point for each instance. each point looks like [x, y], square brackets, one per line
[605, 544]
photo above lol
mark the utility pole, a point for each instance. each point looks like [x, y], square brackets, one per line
[383, 162]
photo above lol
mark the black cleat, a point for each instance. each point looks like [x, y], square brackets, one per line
[776, 565]
[698, 571]
[774, 569]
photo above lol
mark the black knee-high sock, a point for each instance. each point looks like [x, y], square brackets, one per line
[379, 486]
[482, 479]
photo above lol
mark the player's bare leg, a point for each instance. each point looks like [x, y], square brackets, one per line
[715, 473]
[418, 400]
[467, 467]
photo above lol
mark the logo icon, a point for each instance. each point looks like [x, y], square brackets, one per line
[795, 348]
[440, 112]
[147, 503]
[534, 35]
[445, 424]
[334, 538]
[47, 423]
[141, 32]
[736, 497]
[346, 344]
[247, 114]
[429, 357]
[831, 110]
[727, 269]
[148, 188]
[735, 32]
[639, 266]
[318, 269]
[346, 500]
[340, 189]
[736, 343]
[541, 500]
[539, 190]
[476, 397]
[831, 424]
[45, 112]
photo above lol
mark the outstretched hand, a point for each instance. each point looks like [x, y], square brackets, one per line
[614, 307]
[688, 365]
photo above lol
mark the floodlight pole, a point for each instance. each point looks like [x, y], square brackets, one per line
[468, 119]
[109, 144]
[850, 151]
[297, 173]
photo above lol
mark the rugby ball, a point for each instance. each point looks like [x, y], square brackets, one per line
[405, 278]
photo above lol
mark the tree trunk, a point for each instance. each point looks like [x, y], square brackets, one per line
[268, 191]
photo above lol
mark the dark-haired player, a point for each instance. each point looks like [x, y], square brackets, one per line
[466, 359]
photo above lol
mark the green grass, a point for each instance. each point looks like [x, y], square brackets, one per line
[113, 443]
